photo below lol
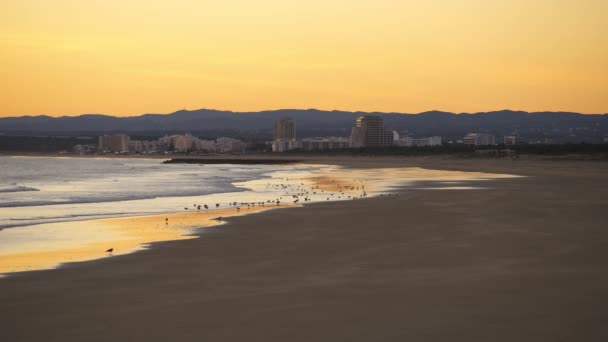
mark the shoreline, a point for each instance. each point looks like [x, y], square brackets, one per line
[498, 264]
[130, 234]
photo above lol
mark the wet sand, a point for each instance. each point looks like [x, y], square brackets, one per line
[123, 235]
[523, 260]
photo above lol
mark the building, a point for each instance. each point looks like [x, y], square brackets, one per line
[510, 140]
[208, 146]
[324, 144]
[284, 135]
[479, 139]
[428, 141]
[144, 146]
[228, 145]
[285, 129]
[369, 131]
[184, 143]
[179, 143]
[116, 143]
[405, 141]
[284, 145]
[188, 143]
[408, 141]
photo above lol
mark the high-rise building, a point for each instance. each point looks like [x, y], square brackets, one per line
[285, 129]
[369, 131]
[113, 143]
[284, 135]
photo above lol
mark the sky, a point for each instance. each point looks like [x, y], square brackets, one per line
[129, 57]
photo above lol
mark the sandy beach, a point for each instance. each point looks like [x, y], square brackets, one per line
[523, 259]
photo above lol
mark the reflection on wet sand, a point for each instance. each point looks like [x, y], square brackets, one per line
[123, 235]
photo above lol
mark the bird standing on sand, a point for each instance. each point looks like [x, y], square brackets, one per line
[109, 251]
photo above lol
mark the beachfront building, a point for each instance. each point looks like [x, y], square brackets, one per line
[284, 135]
[428, 141]
[144, 146]
[479, 139]
[204, 145]
[284, 145]
[115, 143]
[187, 143]
[369, 131]
[228, 145]
[285, 129]
[405, 141]
[324, 144]
[183, 143]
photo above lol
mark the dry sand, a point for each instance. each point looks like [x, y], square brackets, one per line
[524, 260]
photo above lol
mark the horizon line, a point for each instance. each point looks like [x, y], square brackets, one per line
[299, 109]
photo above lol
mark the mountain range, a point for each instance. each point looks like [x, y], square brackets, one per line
[557, 126]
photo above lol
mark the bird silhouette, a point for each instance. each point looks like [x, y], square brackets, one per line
[110, 250]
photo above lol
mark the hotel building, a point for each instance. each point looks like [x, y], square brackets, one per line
[369, 131]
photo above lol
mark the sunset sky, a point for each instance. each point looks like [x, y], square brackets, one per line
[129, 57]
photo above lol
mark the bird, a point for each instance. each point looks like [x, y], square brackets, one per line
[110, 250]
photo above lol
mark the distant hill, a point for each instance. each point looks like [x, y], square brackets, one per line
[558, 126]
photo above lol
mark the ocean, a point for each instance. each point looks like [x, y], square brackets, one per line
[36, 190]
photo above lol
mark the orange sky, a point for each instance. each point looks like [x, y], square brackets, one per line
[128, 57]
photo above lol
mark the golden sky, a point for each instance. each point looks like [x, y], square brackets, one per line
[129, 57]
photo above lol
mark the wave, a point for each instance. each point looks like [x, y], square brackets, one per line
[66, 218]
[17, 188]
[121, 197]
[36, 218]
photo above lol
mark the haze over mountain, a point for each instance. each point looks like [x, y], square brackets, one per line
[559, 126]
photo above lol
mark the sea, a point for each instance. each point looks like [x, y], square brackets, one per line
[38, 190]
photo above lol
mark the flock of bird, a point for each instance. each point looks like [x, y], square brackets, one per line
[297, 192]
[293, 192]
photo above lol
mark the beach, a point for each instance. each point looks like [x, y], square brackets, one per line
[523, 259]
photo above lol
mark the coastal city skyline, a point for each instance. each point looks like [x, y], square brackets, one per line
[126, 58]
